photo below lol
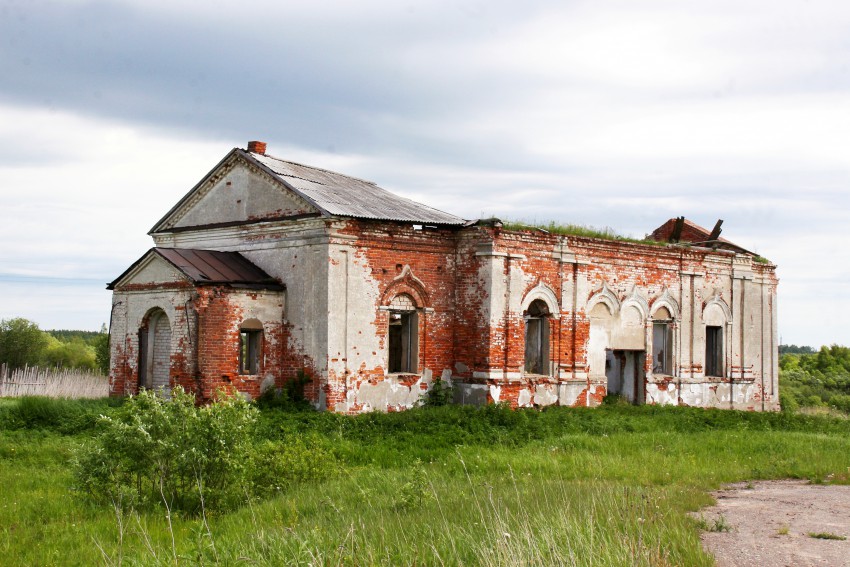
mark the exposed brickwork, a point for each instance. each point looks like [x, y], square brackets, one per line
[471, 287]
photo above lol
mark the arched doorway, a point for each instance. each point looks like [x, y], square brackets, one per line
[155, 352]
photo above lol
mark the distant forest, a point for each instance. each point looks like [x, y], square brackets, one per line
[22, 343]
[68, 335]
[794, 349]
[814, 379]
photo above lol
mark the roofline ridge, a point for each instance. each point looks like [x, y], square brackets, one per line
[312, 167]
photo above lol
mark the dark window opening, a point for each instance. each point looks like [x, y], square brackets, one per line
[714, 351]
[662, 348]
[537, 338]
[250, 341]
[144, 377]
[403, 342]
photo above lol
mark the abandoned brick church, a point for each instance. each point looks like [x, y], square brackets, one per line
[268, 268]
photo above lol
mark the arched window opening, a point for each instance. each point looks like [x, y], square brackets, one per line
[250, 346]
[403, 335]
[662, 342]
[537, 338]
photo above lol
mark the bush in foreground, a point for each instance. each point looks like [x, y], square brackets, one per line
[157, 451]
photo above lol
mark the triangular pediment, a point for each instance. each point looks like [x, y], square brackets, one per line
[235, 192]
[150, 270]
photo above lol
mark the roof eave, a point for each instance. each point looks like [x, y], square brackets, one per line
[111, 285]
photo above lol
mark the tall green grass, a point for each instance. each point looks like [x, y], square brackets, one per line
[56, 414]
[438, 486]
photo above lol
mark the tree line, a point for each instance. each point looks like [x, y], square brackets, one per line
[809, 378]
[23, 343]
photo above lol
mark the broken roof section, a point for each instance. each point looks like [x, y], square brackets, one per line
[681, 230]
[331, 194]
[208, 267]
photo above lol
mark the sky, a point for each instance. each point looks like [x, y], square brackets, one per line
[615, 113]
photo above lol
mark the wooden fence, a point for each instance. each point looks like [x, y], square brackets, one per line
[52, 382]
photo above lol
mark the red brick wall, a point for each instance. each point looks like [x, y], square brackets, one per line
[386, 248]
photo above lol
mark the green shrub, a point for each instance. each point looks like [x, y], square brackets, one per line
[788, 401]
[289, 398]
[156, 451]
[441, 393]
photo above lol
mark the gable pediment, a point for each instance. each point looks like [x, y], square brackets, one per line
[150, 271]
[235, 192]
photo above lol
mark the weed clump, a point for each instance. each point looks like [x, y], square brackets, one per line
[718, 524]
[827, 535]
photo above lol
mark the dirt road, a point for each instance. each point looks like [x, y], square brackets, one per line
[771, 523]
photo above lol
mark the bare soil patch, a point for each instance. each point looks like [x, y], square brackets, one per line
[771, 523]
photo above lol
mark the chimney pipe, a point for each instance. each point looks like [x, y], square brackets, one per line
[257, 147]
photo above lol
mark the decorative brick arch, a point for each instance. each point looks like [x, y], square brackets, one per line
[606, 296]
[717, 300]
[668, 301]
[408, 284]
[636, 300]
[544, 293]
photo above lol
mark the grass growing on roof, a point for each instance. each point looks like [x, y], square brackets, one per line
[553, 227]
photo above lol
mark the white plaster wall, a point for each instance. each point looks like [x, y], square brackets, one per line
[129, 311]
[296, 254]
[240, 195]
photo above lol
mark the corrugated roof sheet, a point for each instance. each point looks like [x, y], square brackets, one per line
[341, 195]
[207, 267]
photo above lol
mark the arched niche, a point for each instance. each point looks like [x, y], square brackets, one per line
[604, 296]
[716, 312]
[669, 304]
[635, 302]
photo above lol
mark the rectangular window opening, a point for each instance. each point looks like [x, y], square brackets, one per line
[403, 342]
[249, 351]
[662, 349]
[714, 351]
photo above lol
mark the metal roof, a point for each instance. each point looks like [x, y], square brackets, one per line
[340, 195]
[696, 235]
[209, 267]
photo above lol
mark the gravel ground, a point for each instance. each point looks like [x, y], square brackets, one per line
[771, 523]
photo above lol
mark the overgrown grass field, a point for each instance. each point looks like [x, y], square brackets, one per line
[433, 486]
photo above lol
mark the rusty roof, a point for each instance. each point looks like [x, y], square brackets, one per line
[336, 194]
[211, 267]
[696, 235]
